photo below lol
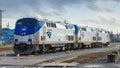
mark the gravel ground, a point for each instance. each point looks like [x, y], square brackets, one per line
[100, 63]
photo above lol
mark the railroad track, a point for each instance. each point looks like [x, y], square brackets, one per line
[58, 57]
[77, 56]
[10, 48]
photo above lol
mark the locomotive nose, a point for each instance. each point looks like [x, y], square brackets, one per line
[24, 28]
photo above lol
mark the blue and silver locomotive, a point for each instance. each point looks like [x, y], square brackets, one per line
[33, 35]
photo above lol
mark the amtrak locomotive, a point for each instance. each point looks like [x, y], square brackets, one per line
[32, 35]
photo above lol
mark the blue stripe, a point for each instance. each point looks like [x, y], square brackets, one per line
[37, 27]
[76, 29]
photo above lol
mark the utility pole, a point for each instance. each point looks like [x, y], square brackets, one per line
[8, 25]
[1, 21]
[1, 24]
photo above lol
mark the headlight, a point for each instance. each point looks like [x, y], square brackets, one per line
[16, 42]
[23, 33]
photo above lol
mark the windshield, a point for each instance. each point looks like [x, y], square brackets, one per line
[26, 23]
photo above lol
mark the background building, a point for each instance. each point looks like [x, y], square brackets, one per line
[7, 35]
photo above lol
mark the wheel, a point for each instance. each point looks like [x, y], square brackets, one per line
[92, 45]
[40, 48]
[67, 47]
[101, 45]
[79, 46]
[83, 46]
[46, 49]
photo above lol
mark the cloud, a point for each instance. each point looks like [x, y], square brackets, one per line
[15, 9]
[17, 3]
[116, 0]
[95, 7]
[42, 7]
[48, 7]
[109, 21]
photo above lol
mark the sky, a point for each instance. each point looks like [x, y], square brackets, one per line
[103, 14]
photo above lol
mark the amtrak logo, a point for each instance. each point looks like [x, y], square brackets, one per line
[49, 34]
[70, 27]
[24, 28]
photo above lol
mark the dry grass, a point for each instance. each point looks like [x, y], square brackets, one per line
[113, 44]
[6, 49]
[88, 57]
